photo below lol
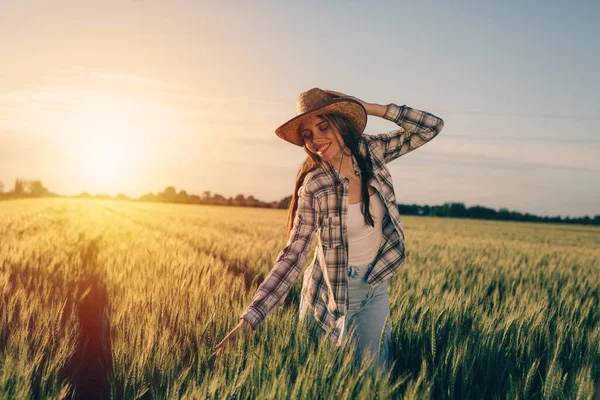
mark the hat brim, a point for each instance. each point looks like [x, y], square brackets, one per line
[352, 109]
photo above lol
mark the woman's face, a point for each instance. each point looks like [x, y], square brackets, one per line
[320, 138]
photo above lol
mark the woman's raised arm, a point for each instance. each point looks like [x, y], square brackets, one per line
[418, 128]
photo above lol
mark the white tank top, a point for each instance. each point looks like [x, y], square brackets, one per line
[364, 240]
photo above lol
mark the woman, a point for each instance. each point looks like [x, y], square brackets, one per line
[345, 193]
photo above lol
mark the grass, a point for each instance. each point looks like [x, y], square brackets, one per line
[112, 299]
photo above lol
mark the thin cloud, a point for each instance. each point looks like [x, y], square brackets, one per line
[187, 92]
[138, 80]
[490, 161]
[524, 138]
[40, 99]
[181, 103]
[15, 96]
[528, 115]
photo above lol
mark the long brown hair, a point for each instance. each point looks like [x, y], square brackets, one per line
[351, 139]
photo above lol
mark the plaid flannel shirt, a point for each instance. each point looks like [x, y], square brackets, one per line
[322, 208]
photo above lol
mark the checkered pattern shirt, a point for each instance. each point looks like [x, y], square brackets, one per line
[322, 209]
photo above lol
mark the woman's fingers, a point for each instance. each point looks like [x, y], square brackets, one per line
[223, 342]
[340, 94]
[220, 349]
[243, 325]
[222, 346]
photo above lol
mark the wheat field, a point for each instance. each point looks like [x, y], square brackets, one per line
[109, 299]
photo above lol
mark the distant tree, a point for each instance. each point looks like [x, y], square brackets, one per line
[1, 187]
[452, 210]
[412, 209]
[252, 202]
[182, 197]
[195, 199]
[458, 210]
[122, 196]
[218, 199]
[37, 189]
[206, 195]
[148, 197]
[84, 194]
[18, 187]
[528, 217]
[481, 212]
[515, 216]
[504, 214]
[555, 219]
[168, 194]
[239, 200]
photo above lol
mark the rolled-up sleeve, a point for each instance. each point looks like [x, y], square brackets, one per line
[417, 128]
[273, 290]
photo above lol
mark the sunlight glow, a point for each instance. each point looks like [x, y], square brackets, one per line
[105, 160]
[107, 135]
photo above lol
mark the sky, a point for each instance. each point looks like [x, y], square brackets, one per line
[130, 96]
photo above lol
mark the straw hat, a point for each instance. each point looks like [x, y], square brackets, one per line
[317, 101]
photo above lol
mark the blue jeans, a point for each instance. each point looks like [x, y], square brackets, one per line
[367, 313]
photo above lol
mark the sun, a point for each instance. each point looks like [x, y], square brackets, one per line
[107, 140]
[104, 164]
[104, 159]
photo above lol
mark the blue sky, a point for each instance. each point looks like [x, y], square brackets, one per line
[190, 93]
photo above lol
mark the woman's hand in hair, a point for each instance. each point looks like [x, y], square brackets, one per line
[372, 108]
[243, 325]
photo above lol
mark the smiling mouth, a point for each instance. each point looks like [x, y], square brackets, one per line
[323, 148]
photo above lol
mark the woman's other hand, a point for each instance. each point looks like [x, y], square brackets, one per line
[242, 326]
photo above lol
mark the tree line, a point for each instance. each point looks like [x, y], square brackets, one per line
[35, 188]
